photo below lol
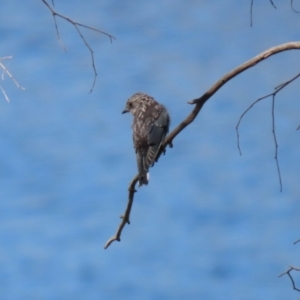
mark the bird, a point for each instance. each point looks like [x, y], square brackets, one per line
[150, 126]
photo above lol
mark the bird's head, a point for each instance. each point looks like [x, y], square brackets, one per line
[135, 102]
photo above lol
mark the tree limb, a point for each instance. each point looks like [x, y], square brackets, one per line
[199, 102]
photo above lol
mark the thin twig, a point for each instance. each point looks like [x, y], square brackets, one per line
[4, 94]
[241, 117]
[296, 242]
[273, 95]
[77, 25]
[251, 10]
[199, 102]
[273, 3]
[251, 14]
[293, 8]
[275, 142]
[288, 272]
[126, 217]
[6, 71]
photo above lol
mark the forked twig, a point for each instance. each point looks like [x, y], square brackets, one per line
[273, 95]
[288, 272]
[77, 25]
[6, 71]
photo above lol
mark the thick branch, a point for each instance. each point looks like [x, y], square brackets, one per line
[199, 102]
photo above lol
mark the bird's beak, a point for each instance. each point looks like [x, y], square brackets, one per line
[126, 110]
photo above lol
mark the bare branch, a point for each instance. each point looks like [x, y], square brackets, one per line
[199, 102]
[126, 217]
[273, 95]
[77, 25]
[6, 71]
[288, 272]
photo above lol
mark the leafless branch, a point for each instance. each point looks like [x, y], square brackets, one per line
[273, 95]
[199, 102]
[77, 27]
[6, 71]
[126, 217]
[288, 272]
[275, 142]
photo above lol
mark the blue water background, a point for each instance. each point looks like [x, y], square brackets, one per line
[211, 224]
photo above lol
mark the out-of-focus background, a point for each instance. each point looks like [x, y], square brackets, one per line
[211, 224]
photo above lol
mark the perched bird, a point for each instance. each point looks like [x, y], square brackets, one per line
[150, 127]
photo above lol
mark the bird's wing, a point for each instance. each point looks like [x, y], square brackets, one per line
[157, 132]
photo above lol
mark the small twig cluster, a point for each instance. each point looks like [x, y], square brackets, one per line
[272, 95]
[77, 27]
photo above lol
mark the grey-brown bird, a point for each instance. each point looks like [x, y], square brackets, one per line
[150, 127]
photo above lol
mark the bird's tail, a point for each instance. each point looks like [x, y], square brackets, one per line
[142, 167]
[143, 178]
